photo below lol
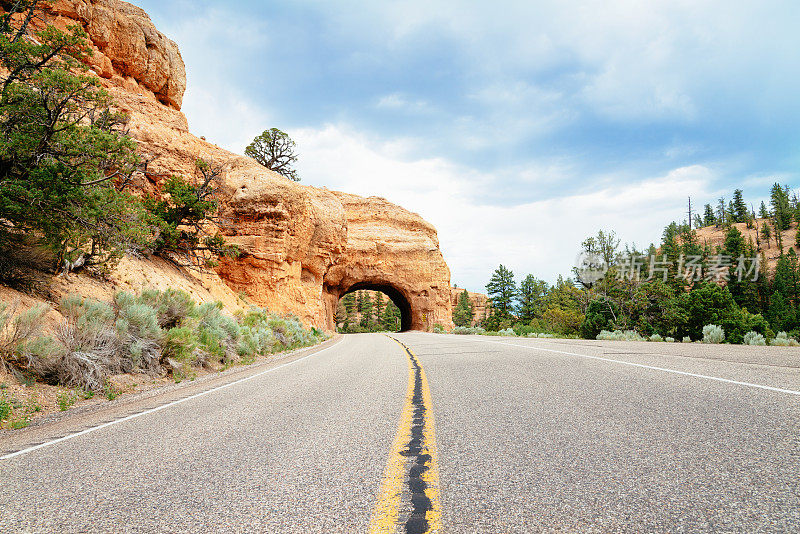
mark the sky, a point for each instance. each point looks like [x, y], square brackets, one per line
[518, 128]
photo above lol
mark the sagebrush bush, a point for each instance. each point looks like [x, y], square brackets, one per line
[686, 339]
[619, 335]
[754, 338]
[143, 333]
[713, 333]
[782, 339]
[656, 338]
[468, 330]
[172, 306]
[669, 339]
[507, 332]
[21, 346]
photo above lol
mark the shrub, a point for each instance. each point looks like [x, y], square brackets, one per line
[438, 329]
[619, 335]
[669, 339]
[599, 316]
[656, 338]
[713, 334]
[783, 340]
[5, 408]
[686, 339]
[90, 348]
[468, 330]
[506, 332]
[172, 306]
[180, 344]
[65, 400]
[754, 338]
[20, 343]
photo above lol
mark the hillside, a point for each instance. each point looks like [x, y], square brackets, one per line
[715, 236]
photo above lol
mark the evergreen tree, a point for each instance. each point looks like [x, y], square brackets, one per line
[765, 232]
[463, 311]
[379, 305]
[721, 211]
[502, 291]
[391, 317]
[349, 302]
[366, 311]
[64, 153]
[781, 208]
[762, 211]
[708, 216]
[739, 207]
[531, 298]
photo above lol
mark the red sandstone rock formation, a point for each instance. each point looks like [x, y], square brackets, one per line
[480, 304]
[303, 247]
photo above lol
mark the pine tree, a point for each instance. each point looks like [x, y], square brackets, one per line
[366, 311]
[765, 232]
[762, 211]
[349, 302]
[379, 305]
[708, 216]
[391, 317]
[721, 211]
[463, 311]
[501, 290]
[781, 208]
[531, 298]
[739, 207]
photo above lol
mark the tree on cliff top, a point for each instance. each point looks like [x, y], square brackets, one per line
[274, 150]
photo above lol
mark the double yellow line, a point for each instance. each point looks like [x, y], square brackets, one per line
[385, 516]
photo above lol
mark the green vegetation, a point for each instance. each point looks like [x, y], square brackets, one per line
[66, 163]
[463, 311]
[153, 332]
[367, 311]
[672, 303]
[65, 399]
[274, 150]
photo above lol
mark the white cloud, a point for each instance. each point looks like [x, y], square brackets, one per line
[397, 101]
[540, 237]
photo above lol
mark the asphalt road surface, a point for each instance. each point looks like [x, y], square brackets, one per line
[455, 434]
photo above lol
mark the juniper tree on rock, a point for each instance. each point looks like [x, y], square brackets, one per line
[65, 156]
[275, 150]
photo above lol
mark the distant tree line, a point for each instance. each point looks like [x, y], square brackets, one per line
[675, 307]
[367, 311]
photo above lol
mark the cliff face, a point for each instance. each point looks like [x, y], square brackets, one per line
[303, 247]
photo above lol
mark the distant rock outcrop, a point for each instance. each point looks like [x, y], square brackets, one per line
[303, 247]
[479, 301]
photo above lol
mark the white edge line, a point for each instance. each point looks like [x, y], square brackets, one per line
[623, 362]
[163, 406]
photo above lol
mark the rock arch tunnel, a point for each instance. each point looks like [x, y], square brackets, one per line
[397, 296]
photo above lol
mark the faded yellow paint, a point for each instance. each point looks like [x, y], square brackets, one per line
[385, 515]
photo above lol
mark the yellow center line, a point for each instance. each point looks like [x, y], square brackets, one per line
[385, 516]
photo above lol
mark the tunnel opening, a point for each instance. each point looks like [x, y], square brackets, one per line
[370, 307]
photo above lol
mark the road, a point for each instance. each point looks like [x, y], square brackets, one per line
[417, 432]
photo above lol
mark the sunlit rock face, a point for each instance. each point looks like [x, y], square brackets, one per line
[302, 247]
